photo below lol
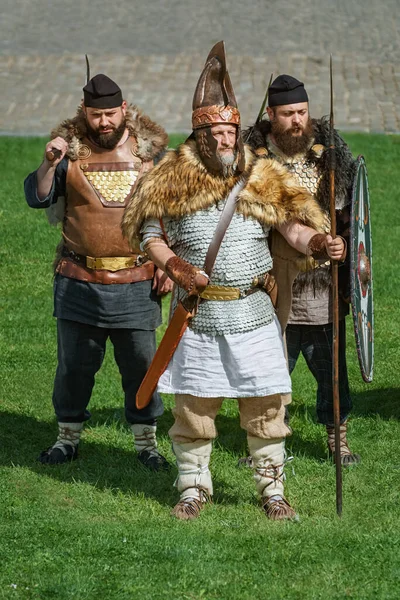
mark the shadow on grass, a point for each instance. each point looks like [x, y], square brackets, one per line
[369, 403]
[382, 402]
[100, 464]
[108, 467]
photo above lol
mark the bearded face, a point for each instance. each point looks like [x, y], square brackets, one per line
[291, 128]
[106, 126]
[108, 139]
[220, 149]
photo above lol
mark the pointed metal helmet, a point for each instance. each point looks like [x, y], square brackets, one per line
[214, 103]
[214, 99]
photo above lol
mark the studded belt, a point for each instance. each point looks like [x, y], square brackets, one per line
[72, 269]
[106, 263]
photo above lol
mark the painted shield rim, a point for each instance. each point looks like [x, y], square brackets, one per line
[367, 375]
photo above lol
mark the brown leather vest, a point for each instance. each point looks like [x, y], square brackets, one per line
[99, 186]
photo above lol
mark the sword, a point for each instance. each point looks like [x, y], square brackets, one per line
[169, 343]
[335, 306]
[54, 153]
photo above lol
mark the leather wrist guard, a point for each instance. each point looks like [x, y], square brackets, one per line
[188, 277]
[316, 247]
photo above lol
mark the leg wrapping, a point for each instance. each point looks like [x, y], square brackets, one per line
[146, 446]
[69, 434]
[268, 461]
[194, 478]
[144, 437]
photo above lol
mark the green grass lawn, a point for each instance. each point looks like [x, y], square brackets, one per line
[100, 528]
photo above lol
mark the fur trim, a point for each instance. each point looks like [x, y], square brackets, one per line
[257, 138]
[180, 185]
[345, 170]
[151, 138]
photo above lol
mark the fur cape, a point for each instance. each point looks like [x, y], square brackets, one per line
[345, 164]
[180, 185]
[151, 138]
[345, 171]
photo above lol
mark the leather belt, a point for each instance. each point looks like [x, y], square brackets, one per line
[69, 268]
[106, 263]
[265, 282]
[219, 292]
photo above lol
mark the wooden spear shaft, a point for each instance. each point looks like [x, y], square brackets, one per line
[335, 307]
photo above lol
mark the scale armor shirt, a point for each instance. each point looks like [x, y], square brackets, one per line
[243, 254]
[309, 306]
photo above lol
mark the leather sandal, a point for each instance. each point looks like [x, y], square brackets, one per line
[277, 508]
[347, 457]
[187, 509]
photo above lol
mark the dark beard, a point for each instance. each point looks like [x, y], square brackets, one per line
[107, 140]
[290, 144]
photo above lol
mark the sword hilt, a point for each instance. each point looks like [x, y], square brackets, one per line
[53, 154]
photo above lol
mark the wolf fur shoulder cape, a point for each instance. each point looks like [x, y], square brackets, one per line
[345, 164]
[180, 185]
[151, 138]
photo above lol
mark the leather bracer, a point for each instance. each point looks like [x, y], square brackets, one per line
[188, 277]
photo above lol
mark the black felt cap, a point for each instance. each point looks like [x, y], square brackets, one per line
[286, 90]
[102, 92]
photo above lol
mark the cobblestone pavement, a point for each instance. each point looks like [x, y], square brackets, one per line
[155, 51]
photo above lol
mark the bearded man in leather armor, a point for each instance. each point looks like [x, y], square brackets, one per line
[233, 346]
[301, 145]
[103, 287]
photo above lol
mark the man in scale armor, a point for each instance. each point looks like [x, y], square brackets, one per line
[233, 347]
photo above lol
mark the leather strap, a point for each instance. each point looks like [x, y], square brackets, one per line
[223, 224]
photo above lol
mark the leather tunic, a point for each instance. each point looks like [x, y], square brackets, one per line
[98, 187]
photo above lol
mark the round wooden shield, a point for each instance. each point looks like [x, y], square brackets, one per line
[361, 272]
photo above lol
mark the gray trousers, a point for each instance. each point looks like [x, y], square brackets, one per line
[81, 350]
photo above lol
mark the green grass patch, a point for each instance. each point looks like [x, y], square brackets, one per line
[100, 527]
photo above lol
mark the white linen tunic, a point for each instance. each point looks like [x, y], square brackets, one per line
[238, 365]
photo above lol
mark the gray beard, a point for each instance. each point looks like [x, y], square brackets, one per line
[229, 163]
